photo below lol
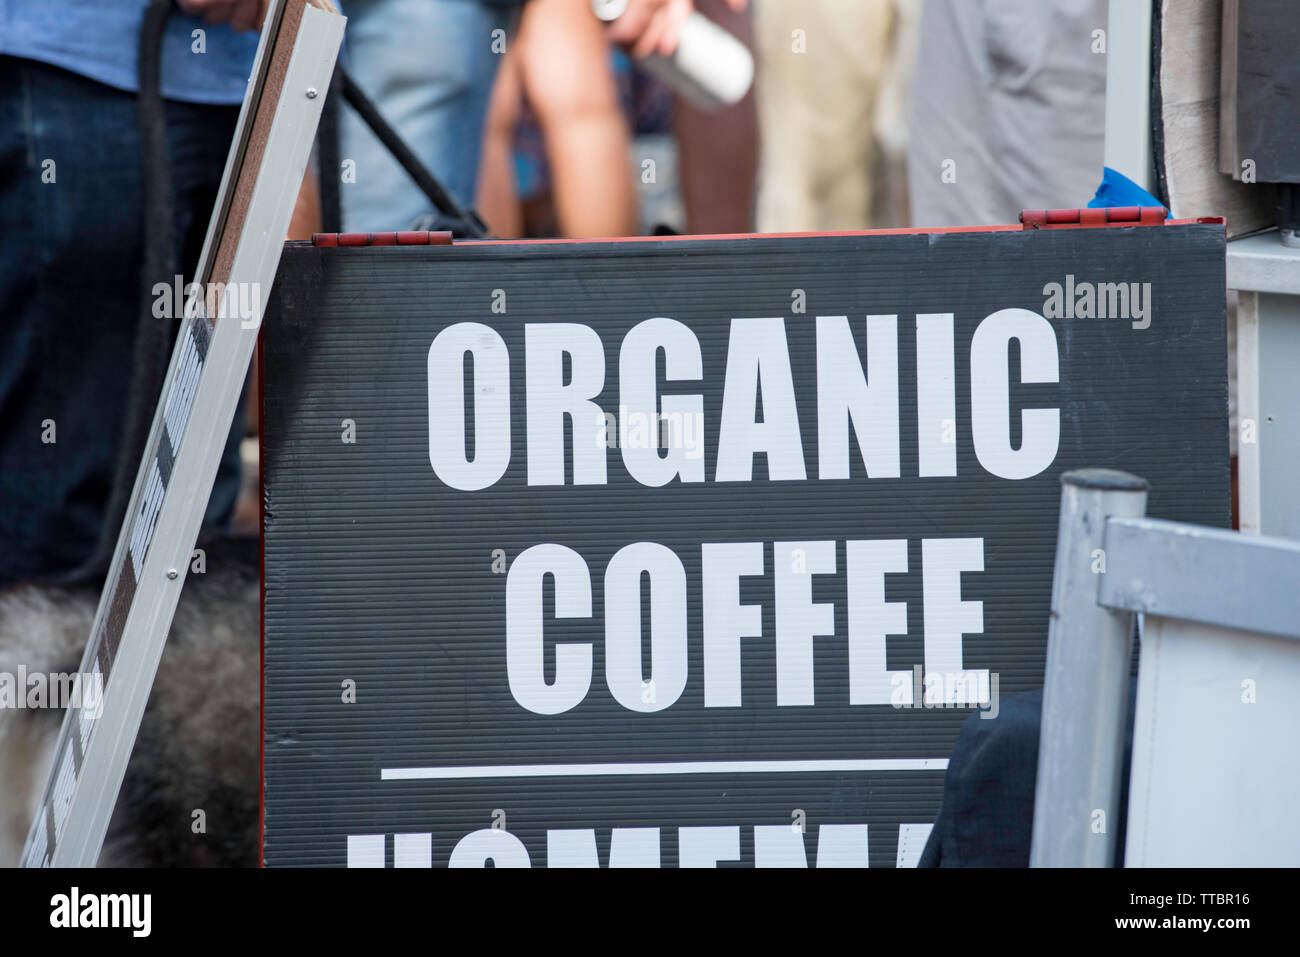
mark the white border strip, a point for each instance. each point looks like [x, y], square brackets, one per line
[1127, 144]
[667, 767]
[1249, 500]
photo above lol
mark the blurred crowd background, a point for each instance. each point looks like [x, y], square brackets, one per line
[862, 114]
[546, 117]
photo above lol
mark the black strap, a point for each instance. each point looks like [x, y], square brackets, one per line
[472, 225]
[153, 336]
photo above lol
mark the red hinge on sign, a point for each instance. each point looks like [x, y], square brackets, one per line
[1088, 218]
[420, 237]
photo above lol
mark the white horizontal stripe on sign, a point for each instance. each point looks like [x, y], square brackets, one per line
[668, 767]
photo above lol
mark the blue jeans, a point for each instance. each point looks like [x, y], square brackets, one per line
[428, 65]
[71, 291]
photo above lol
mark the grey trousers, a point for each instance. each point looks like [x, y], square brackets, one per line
[1008, 109]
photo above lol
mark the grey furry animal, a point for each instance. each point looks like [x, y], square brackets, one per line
[198, 742]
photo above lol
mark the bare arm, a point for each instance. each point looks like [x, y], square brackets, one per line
[564, 66]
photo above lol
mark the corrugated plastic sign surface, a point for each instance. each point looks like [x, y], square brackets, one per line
[688, 552]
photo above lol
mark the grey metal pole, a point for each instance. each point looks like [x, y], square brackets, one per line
[1085, 687]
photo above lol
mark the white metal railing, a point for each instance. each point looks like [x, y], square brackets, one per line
[1214, 774]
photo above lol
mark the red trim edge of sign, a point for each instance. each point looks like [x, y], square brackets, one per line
[413, 237]
[1029, 219]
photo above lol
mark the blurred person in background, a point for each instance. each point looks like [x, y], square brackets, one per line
[428, 66]
[559, 63]
[1008, 109]
[516, 189]
[562, 149]
[72, 251]
[718, 149]
[832, 92]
